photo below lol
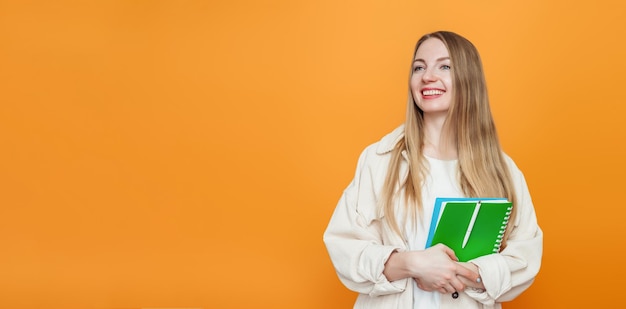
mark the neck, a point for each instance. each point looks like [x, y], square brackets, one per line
[438, 143]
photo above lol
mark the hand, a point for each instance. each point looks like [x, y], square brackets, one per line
[437, 269]
[474, 280]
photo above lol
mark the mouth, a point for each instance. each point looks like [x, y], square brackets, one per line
[432, 92]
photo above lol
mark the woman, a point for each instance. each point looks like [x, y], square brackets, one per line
[447, 147]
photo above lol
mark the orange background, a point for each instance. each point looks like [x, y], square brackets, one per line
[189, 154]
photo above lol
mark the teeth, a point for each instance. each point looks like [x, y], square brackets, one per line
[432, 92]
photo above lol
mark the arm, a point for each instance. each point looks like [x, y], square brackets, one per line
[354, 236]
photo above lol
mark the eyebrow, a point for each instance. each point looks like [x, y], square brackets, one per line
[438, 59]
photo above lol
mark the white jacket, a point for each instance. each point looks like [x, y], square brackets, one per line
[359, 242]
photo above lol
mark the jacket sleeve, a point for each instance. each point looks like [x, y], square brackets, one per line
[510, 272]
[353, 236]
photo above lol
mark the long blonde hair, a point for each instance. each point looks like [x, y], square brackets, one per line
[483, 171]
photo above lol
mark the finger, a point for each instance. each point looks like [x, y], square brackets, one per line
[426, 288]
[450, 289]
[465, 281]
[470, 283]
[467, 273]
[446, 289]
[449, 252]
[457, 284]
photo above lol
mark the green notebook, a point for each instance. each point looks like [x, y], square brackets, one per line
[470, 227]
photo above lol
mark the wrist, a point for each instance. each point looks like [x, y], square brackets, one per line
[396, 266]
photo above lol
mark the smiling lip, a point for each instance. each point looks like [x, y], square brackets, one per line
[432, 92]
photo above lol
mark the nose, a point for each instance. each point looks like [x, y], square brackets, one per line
[429, 75]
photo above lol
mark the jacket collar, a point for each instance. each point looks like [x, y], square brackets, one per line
[389, 141]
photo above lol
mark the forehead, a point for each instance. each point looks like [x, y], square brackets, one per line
[430, 49]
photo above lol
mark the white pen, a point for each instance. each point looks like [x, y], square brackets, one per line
[470, 227]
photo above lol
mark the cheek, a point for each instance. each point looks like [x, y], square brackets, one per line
[448, 82]
[415, 85]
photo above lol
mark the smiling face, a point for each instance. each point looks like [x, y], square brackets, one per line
[431, 80]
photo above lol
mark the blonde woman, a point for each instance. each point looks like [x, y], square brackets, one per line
[447, 147]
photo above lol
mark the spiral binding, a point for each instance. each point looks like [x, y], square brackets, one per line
[498, 244]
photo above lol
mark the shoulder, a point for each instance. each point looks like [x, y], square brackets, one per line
[389, 141]
[379, 151]
[510, 163]
[516, 174]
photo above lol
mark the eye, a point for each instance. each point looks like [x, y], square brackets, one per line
[418, 68]
[445, 67]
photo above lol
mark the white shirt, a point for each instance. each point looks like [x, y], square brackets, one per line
[442, 181]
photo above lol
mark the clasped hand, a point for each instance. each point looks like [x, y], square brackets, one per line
[434, 269]
[440, 271]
